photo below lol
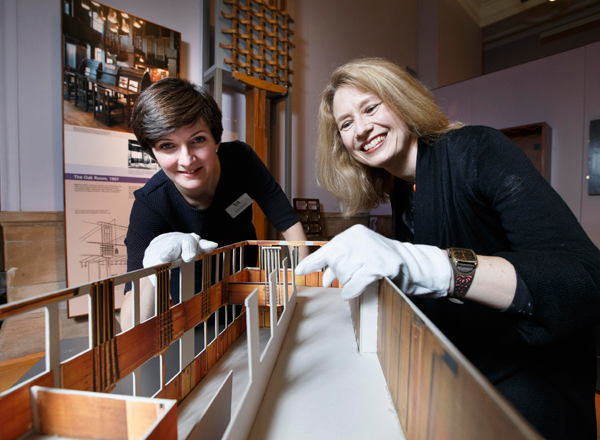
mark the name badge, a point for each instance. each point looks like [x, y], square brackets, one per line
[239, 205]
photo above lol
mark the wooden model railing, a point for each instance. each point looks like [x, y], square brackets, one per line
[110, 356]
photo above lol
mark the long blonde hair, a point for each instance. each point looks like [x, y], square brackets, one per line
[358, 186]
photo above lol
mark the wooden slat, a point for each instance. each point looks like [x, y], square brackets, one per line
[136, 346]
[404, 363]
[259, 83]
[187, 380]
[211, 355]
[77, 373]
[140, 417]
[312, 279]
[300, 280]
[178, 320]
[167, 427]
[11, 370]
[393, 356]
[254, 275]
[193, 311]
[173, 388]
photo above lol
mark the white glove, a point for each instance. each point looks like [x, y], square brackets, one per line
[359, 256]
[174, 246]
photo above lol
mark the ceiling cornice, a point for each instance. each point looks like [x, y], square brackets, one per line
[496, 10]
[473, 8]
[486, 12]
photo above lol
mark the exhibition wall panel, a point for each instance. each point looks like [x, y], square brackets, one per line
[31, 142]
[590, 204]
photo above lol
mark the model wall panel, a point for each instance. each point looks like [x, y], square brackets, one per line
[178, 320]
[135, 347]
[76, 374]
[438, 394]
[16, 408]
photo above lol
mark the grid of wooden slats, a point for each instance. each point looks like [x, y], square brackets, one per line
[261, 40]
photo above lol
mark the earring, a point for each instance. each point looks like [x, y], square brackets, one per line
[216, 149]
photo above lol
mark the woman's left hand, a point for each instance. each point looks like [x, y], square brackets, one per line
[172, 246]
[359, 256]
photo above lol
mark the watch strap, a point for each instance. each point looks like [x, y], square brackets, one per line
[462, 283]
[463, 276]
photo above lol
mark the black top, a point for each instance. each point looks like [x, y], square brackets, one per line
[160, 208]
[478, 190]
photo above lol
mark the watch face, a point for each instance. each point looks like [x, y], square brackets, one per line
[464, 254]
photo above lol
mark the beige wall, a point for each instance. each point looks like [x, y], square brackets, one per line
[328, 34]
[562, 90]
[450, 44]
[459, 44]
[33, 249]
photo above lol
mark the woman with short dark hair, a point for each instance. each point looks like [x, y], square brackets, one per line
[204, 189]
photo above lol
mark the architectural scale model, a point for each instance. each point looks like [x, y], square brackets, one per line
[308, 380]
[436, 392]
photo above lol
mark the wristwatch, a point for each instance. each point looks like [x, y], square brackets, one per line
[464, 263]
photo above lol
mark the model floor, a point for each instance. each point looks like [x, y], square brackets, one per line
[321, 388]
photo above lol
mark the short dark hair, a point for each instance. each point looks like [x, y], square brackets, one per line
[169, 104]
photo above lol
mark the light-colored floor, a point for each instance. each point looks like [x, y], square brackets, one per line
[24, 334]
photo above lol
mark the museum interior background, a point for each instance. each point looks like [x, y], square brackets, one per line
[497, 63]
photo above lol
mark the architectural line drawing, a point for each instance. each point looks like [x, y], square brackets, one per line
[111, 248]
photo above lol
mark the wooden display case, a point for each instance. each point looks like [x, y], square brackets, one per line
[536, 141]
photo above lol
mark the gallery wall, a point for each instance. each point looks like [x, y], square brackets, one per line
[327, 34]
[31, 169]
[562, 90]
[459, 44]
[387, 28]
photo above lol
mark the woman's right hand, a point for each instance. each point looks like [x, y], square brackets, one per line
[359, 256]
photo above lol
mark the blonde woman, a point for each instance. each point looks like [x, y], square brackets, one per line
[487, 248]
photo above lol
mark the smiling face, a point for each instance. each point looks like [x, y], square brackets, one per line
[188, 158]
[372, 134]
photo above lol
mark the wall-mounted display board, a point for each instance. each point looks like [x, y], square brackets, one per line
[536, 141]
[109, 58]
[594, 159]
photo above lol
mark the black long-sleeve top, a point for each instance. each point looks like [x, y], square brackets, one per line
[476, 189]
